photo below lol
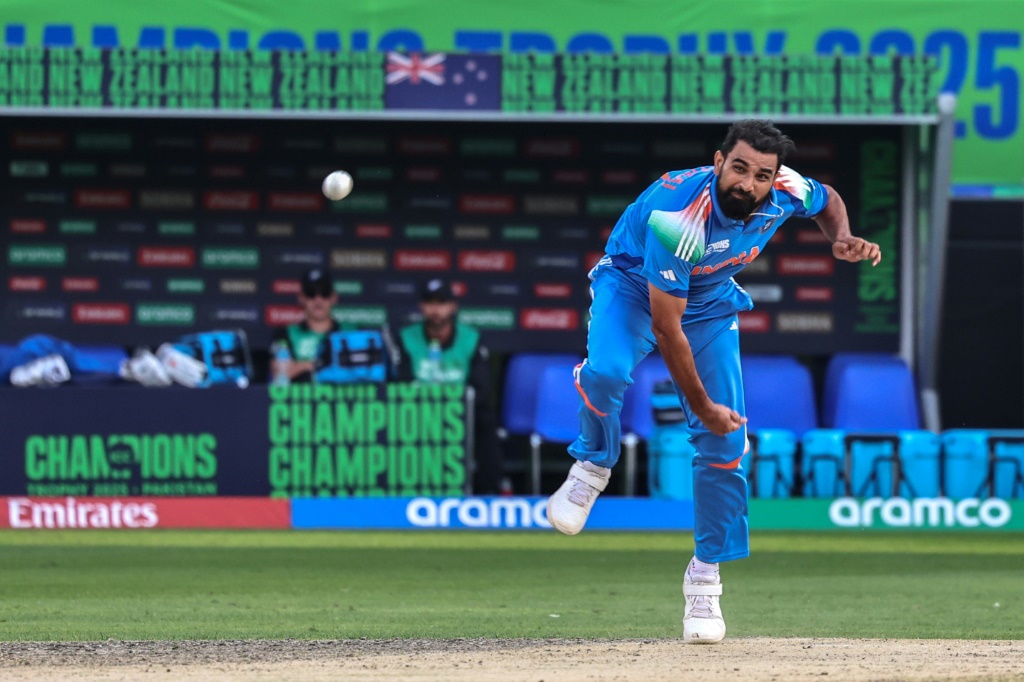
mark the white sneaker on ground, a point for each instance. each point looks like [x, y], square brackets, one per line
[49, 370]
[570, 506]
[702, 621]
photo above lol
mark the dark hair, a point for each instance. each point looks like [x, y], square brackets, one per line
[760, 134]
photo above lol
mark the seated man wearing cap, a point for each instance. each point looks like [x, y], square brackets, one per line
[302, 341]
[440, 349]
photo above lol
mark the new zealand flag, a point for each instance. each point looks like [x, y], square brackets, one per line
[443, 81]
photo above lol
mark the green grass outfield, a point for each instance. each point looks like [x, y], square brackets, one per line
[94, 585]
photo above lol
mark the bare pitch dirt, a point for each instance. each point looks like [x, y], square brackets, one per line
[563, 660]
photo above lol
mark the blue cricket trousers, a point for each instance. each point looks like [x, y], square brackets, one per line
[619, 337]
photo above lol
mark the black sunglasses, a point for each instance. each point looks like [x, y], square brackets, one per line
[317, 293]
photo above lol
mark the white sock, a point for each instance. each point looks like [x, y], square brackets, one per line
[699, 567]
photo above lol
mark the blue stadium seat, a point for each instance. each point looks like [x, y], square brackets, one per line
[875, 396]
[780, 408]
[770, 462]
[823, 467]
[841, 462]
[983, 463]
[670, 469]
[519, 393]
[835, 368]
[779, 394]
[556, 417]
[965, 462]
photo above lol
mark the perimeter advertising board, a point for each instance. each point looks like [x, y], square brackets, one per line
[132, 442]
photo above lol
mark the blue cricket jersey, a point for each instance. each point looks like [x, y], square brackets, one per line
[676, 236]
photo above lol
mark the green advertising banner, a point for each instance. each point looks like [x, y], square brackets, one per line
[977, 42]
[367, 440]
[895, 513]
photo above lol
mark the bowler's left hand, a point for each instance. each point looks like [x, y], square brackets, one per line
[855, 249]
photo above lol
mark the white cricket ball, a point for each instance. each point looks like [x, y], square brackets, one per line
[337, 185]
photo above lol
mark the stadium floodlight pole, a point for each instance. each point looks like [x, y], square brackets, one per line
[931, 318]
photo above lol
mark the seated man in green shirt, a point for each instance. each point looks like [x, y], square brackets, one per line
[440, 349]
[294, 348]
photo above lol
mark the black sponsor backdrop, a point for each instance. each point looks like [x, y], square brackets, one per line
[133, 231]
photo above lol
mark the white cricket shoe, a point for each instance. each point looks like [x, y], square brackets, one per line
[702, 621]
[570, 506]
[49, 370]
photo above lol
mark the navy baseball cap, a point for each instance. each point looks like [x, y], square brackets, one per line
[317, 281]
[436, 290]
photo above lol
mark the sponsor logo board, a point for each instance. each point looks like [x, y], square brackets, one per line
[38, 312]
[422, 259]
[176, 228]
[231, 201]
[520, 233]
[77, 227]
[40, 255]
[492, 513]
[359, 259]
[84, 284]
[175, 314]
[487, 203]
[231, 257]
[295, 201]
[300, 258]
[374, 231]
[29, 169]
[561, 205]
[422, 232]
[238, 286]
[273, 229]
[103, 198]
[233, 314]
[103, 142]
[764, 293]
[805, 323]
[488, 318]
[101, 313]
[549, 318]
[26, 283]
[186, 286]
[166, 199]
[487, 261]
[815, 294]
[79, 170]
[362, 316]
[755, 322]
[471, 232]
[39, 140]
[807, 266]
[282, 315]
[27, 226]
[552, 290]
[166, 257]
[130, 513]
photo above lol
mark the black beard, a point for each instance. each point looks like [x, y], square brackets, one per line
[735, 206]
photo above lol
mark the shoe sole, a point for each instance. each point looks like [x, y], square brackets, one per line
[555, 525]
[691, 639]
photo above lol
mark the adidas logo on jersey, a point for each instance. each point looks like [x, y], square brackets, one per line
[668, 275]
[717, 247]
